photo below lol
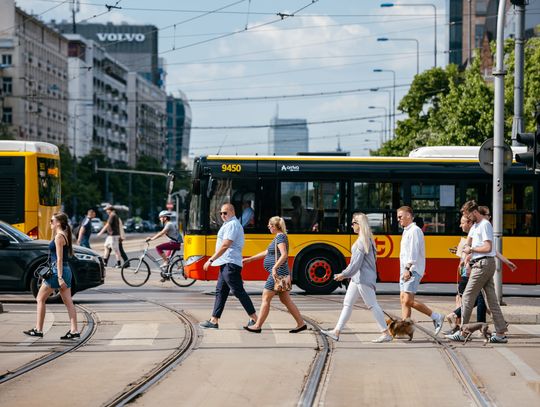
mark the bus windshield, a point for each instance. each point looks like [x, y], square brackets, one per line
[49, 181]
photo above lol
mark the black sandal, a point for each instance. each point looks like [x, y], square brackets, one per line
[300, 329]
[71, 335]
[34, 332]
[253, 330]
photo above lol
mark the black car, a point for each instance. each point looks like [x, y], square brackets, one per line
[20, 256]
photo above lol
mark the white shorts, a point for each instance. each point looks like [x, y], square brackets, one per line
[111, 242]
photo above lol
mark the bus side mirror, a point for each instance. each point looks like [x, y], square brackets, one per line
[212, 184]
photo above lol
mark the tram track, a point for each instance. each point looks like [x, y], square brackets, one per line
[137, 388]
[91, 323]
[479, 398]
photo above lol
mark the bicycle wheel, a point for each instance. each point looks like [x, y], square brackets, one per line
[135, 272]
[177, 275]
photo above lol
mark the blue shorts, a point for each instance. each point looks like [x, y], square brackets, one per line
[410, 286]
[66, 275]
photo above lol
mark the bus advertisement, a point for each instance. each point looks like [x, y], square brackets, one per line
[318, 195]
[29, 186]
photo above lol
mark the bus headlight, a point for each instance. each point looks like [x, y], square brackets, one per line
[193, 259]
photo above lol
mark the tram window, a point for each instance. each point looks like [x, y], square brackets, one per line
[234, 191]
[311, 206]
[518, 218]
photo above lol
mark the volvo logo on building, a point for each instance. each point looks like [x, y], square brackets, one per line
[121, 37]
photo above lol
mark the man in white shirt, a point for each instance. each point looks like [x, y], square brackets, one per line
[248, 216]
[228, 256]
[481, 256]
[412, 264]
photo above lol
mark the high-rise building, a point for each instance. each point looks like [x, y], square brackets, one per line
[178, 129]
[136, 46]
[97, 101]
[33, 77]
[288, 136]
[147, 114]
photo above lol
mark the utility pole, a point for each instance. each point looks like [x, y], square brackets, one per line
[75, 7]
[498, 147]
[517, 123]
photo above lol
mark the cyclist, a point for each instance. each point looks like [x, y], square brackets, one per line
[170, 229]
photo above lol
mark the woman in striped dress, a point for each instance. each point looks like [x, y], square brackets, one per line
[276, 265]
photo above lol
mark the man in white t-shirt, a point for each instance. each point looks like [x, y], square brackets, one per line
[481, 256]
[412, 264]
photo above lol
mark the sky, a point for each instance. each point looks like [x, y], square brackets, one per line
[242, 62]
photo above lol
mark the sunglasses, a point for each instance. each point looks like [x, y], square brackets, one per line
[223, 213]
[354, 223]
[51, 221]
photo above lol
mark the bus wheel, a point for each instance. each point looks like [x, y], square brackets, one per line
[316, 273]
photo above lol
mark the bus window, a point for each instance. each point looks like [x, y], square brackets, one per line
[49, 181]
[234, 191]
[375, 200]
[435, 207]
[518, 218]
[312, 206]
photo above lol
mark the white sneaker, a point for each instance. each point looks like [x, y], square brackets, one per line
[383, 338]
[330, 334]
[438, 323]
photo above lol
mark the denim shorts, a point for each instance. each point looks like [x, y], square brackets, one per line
[410, 286]
[66, 275]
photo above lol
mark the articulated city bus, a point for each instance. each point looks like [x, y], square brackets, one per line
[318, 195]
[29, 186]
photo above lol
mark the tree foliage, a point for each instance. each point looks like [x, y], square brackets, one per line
[453, 107]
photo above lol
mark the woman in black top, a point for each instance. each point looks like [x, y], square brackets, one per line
[60, 248]
[276, 265]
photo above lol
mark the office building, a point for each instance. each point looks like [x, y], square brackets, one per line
[33, 77]
[288, 136]
[178, 129]
[98, 101]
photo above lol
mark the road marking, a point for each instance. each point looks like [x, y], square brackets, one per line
[530, 329]
[523, 368]
[135, 334]
[220, 336]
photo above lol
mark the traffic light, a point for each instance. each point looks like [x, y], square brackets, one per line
[532, 140]
[528, 158]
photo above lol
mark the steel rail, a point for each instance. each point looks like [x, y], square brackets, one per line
[137, 388]
[462, 373]
[34, 364]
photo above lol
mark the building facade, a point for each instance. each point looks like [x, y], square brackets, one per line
[136, 46]
[147, 120]
[98, 101]
[288, 136]
[33, 77]
[178, 130]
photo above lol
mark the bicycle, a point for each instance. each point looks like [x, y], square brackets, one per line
[136, 271]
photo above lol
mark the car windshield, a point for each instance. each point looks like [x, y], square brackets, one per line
[12, 233]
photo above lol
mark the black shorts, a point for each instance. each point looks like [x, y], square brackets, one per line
[462, 284]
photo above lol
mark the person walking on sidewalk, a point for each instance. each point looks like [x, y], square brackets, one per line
[228, 256]
[60, 248]
[112, 227]
[362, 270]
[412, 264]
[85, 231]
[275, 263]
[482, 260]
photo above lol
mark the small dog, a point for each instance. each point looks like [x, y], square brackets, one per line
[401, 327]
[468, 329]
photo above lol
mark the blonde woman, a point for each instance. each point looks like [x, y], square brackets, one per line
[276, 265]
[363, 273]
[60, 248]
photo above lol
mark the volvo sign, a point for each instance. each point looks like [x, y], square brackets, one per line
[121, 37]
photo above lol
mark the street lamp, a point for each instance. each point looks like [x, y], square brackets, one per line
[382, 39]
[393, 113]
[386, 128]
[385, 5]
[389, 93]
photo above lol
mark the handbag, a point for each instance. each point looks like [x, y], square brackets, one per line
[44, 270]
[281, 283]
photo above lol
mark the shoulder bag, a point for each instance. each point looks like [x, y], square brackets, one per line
[281, 283]
[44, 270]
